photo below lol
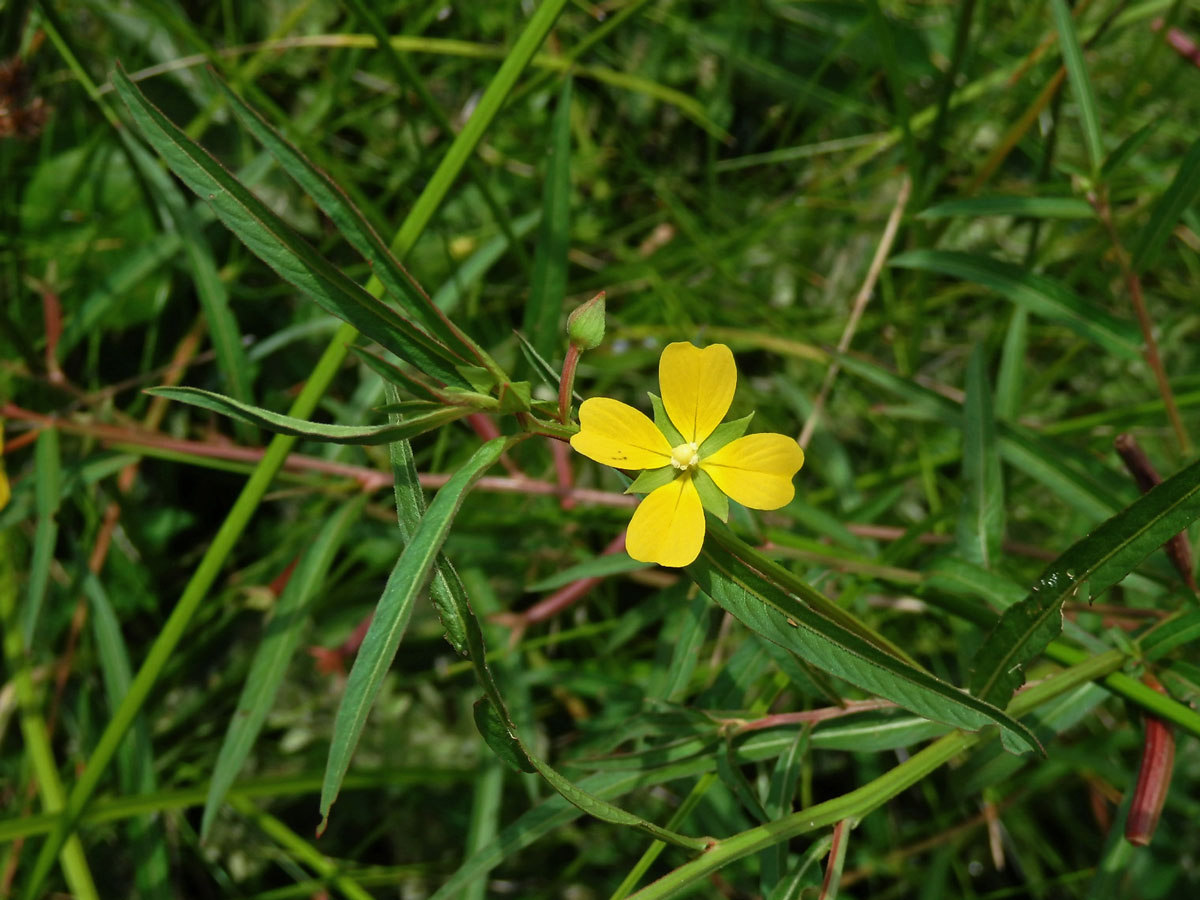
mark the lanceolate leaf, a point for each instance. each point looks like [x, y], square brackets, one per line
[280, 247]
[1039, 294]
[337, 434]
[1179, 195]
[981, 519]
[1012, 205]
[352, 226]
[773, 612]
[273, 655]
[1101, 560]
[423, 544]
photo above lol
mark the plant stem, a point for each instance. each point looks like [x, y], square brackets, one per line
[566, 383]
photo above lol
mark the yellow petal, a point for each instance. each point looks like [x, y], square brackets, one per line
[616, 434]
[757, 470]
[668, 526]
[697, 387]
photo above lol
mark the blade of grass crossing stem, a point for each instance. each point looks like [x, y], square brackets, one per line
[981, 518]
[406, 581]
[136, 759]
[173, 630]
[1091, 565]
[485, 817]
[271, 660]
[338, 434]
[351, 224]
[774, 613]
[544, 309]
[781, 794]
[273, 241]
[1039, 294]
[37, 747]
[1178, 196]
[47, 473]
[1081, 84]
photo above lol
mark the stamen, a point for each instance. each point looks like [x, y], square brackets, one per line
[685, 456]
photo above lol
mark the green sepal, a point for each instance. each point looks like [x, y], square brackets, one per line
[515, 397]
[723, 434]
[462, 397]
[652, 479]
[663, 421]
[711, 496]
[478, 377]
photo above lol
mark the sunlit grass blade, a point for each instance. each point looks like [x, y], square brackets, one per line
[1179, 195]
[407, 580]
[1011, 205]
[354, 227]
[1093, 564]
[1080, 81]
[1039, 294]
[544, 309]
[781, 618]
[280, 247]
[338, 434]
[270, 662]
[981, 518]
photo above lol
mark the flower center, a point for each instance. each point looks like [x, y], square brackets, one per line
[685, 456]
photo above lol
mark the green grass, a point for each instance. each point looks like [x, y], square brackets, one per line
[183, 594]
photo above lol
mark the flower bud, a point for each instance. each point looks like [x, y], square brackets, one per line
[585, 326]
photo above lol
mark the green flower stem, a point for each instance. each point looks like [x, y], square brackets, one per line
[856, 804]
[277, 451]
[33, 726]
[300, 849]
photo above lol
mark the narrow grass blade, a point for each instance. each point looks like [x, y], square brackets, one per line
[136, 764]
[544, 309]
[1093, 565]
[280, 247]
[981, 518]
[391, 615]
[1039, 294]
[1012, 365]
[1025, 207]
[351, 224]
[281, 424]
[47, 488]
[1179, 195]
[273, 655]
[1081, 84]
[777, 615]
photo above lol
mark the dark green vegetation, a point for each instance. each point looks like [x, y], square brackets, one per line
[936, 237]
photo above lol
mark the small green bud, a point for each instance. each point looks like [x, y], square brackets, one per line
[585, 326]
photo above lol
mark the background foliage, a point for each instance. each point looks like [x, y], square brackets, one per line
[726, 172]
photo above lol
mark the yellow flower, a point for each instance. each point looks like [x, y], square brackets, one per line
[693, 462]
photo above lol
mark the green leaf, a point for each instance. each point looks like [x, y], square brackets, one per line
[664, 423]
[775, 613]
[1182, 628]
[1039, 294]
[351, 224]
[338, 434]
[549, 284]
[497, 736]
[1179, 195]
[406, 581]
[274, 654]
[724, 434]
[981, 518]
[515, 397]
[1129, 146]
[280, 247]
[1011, 205]
[652, 479]
[1101, 560]
[711, 496]
[1081, 84]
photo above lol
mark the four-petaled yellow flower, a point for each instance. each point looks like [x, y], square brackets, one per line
[697, 388]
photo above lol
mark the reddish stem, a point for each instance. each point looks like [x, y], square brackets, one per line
[1154, 777]
[566, 383]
